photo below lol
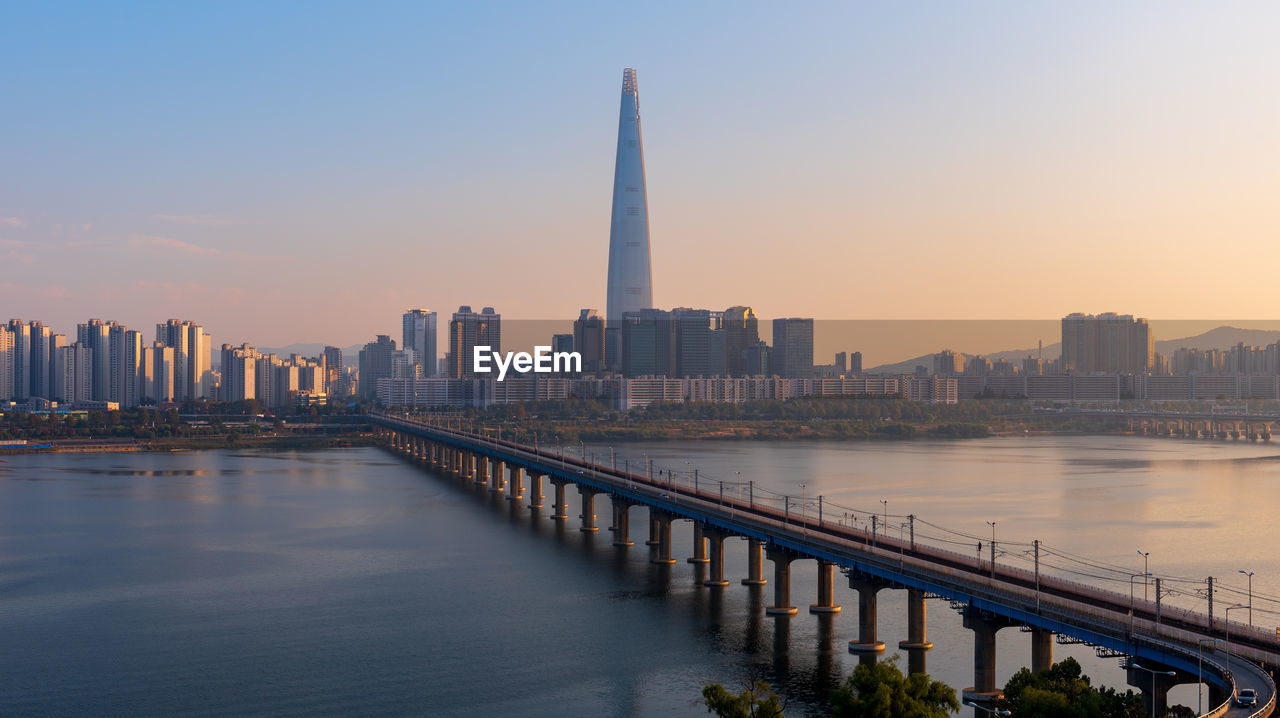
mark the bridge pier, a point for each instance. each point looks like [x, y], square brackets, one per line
[560, 509]
[867, 588]
[515, 490]
[535, 490]
[482, 470]
[1041, 649]
[826, 589]
[499, 479]
[781, 558]
[755, 564]
[663, 520]
[653, 529]
[716, 536]
[1155, 685]
[984, 626]
[468, 465]
[699, 545]
[621, 522]
[588, 508]
[917, 643]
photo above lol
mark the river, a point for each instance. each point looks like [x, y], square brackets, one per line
[350, 582]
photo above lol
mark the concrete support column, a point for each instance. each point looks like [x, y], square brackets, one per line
[867, 588]
[482, 470]
[588, 508]
[1041, 649]
[621, 522]
[917, 643]
[699, 544]
[498, 477]
[515, 490]
[653, 529]
[781, 559]
[535, 490]
[984, 627]
[560, 509]
[915, 622]
[1155, 686]
[755, 564]
[826, 589]
[716, 536]
[664, 521]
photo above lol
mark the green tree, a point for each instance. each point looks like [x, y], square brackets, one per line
[757, 700]
[881, 690]
[1063, 691]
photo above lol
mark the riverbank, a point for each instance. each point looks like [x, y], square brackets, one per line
[128, 446]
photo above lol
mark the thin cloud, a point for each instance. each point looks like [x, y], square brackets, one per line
[14, 222]
[197, 219]
[152, 242]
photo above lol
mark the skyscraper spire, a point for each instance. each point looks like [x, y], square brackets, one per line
[630, 282]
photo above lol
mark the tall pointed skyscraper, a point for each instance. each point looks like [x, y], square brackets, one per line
[630, 282]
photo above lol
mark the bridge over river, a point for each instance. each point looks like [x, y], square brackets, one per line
[1163, 646]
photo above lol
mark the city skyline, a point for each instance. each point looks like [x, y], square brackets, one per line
[854, 139]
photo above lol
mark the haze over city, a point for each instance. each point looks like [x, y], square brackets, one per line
[302, 173]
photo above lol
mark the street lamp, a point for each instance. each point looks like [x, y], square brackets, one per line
[1226, 622]
[1132, 576]
[1250, 575]
[1200, 675]
[1144, 555]
[1153, 683]
[992, 524]
[992, 711]
[802, 499]
[886, 510]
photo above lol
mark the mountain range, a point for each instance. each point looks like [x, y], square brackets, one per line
[1223, 337]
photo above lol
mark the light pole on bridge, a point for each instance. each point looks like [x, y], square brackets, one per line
[1226, 622]
[1200, 668]
[992, 524]
[1250, 575]
[1144, 555]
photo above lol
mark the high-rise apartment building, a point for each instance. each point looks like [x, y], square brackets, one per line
[588, 339]
[41, 338]
[419, 334]
[6, 363]
[1111, 343]
[93, 336]
[630, 285]
[375, 364]
[468, 330]
[741, 332]
[74, 373]
[20, 365]
[239, 373]
[192, 354]
[792, 354]
[335, 378]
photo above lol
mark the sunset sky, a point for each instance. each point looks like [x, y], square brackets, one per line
[286, 172]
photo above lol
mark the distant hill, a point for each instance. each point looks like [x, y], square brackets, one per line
[1219, 338]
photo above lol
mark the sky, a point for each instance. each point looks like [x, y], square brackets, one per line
[304, 172]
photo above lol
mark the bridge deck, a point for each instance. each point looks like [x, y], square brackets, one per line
[1084, 612]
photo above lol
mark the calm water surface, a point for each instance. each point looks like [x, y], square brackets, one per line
[349, 582]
